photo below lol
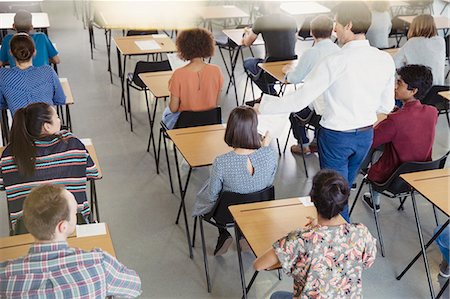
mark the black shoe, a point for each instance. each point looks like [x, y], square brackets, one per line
[353, 188]
[368, 200]
[252, 103]
[223, 243]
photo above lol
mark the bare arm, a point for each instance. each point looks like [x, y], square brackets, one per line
[55, 60]
[174, 103]
[249, 37]
[268, 260]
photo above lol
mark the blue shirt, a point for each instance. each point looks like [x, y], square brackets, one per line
[19, 88]
[44, 50]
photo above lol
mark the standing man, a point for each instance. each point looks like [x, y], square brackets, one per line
[356, 82]
[54, 270]
[278, 31]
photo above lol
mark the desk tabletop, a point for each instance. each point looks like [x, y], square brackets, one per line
[200, 145]
[304, 8]
[275, 69]
[236, 36]
[127, 44]
[67, 91]
[442, 22]
[434, 185]
[157, 82]
[39, 20]
[263, 223]
[445, 94]
[17, 246]
[221, 12]
[392, 51]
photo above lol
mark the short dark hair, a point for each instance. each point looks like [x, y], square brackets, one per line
[355, 12]
[242, 129]
[322, 26]
[195, 43]
[329, 193]
[43, 209]
[417, 76]
[22, 47]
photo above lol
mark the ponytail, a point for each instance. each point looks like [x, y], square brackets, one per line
[26, 128]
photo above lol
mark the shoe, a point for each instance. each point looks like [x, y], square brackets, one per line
[353, 188]
[444, 269]
[296, 149]
[252, 103]
[368, 200]
[223, 243]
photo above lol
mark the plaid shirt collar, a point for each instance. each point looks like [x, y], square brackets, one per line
[45, 247]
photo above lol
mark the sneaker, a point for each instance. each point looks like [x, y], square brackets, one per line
[223, 243]
[444, 269]
[368, 200]
[296, 149]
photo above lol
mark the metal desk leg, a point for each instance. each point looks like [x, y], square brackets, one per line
[94, 201]
[241, 267]
[232, 77]
[183, 204]
[151, 137]
[68, 118]
[122, 83]
[108, 51]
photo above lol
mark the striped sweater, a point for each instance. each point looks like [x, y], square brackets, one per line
[61, 159]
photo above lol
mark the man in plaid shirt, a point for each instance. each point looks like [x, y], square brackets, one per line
[54, 270]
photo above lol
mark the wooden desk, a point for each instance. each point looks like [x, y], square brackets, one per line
[275, 69]
[199, 146]
[445, 94]
[263, 223]
[434, 185]
[442, 22]
[236, 36]
[66, 119]
[221, 12]
[126, 46]
[17, 246]
[304, 8]
[392, 51]
[39, 20]
[158, 84]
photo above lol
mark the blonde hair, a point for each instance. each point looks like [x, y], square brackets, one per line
[422, 25]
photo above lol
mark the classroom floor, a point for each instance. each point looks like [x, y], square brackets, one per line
[137, 204]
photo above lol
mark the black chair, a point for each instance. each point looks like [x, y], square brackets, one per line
[144, 32]
[135, 82]
[395, 187]
[447, 51]
[309, 123]
[185, 120]
[304, 33]
[221, 217]
[440, 103]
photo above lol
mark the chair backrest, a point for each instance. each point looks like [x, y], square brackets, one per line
[434, 99]
[396, 185]
[148, 67]
[199, 118]
[221, 213]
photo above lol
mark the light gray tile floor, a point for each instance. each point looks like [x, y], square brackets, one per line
[140, 210]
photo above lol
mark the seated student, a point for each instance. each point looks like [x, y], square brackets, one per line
[424, 47]
[326, 257]
[378, 33]
[52, 269]
[443, 241]
[45, 51]
[321, 29]
[407, 134]
[196, 86]
[40, 153]
[25, 83]
[250, 167]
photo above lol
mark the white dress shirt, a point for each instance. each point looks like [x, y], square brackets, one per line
[356, 82]
[378, 33]
[426, 51]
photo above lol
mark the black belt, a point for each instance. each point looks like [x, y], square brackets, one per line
[358, 129]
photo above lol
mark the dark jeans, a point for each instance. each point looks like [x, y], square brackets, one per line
[264, 83]
[344, 152]
[299, 130]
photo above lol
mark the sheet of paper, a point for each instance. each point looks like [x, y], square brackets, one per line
[145, 45]
[306, 201]
[62, 80]
[175, 61]
[86, 141]
[276, 124]
[94, 229]
[161, 35]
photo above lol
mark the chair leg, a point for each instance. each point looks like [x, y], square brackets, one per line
[447, 115]
[377, 224]
[287, 140]
[245, 91]
[279, 274]
[278, 146]
[168, 163]
[194, 231]
[205, 257]
[402, 202]
[129, 108]
[304, 161]
[357, 196]
[435, 215]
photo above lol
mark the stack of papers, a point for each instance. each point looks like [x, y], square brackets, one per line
[146, 45]
[276, 124]
[88, 230]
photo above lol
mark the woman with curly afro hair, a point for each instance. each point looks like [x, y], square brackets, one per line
[196, 86]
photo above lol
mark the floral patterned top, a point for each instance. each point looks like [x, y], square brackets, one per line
[327, 261]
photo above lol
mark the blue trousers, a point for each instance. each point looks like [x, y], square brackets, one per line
[443, 241]
[344, 152]
[281, 295]
[251, 65]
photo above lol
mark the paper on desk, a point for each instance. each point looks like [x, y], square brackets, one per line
[86, 141]
[175, 61]
[306, 201]
[276, 124]
[162, 35]
[94, 229]
[147, 45]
